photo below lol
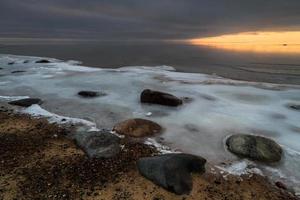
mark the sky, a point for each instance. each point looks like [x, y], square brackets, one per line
[143, 19]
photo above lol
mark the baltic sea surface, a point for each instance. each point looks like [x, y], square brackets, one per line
[249, 66]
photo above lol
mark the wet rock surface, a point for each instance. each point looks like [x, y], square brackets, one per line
[101, 144]
[26, 102]
[172, 171]
[90, 94]
[254, 147]
[137, 127]
[161, 98]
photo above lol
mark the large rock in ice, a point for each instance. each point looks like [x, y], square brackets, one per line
[17, 71]
[294, 106]
[172, 171]
[137, 127]
[254, 147]
[100, 144]
[156, 97]
[89, 94]
[42, 61]
[26, 102]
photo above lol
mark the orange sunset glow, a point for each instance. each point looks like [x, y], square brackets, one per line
[259, 42]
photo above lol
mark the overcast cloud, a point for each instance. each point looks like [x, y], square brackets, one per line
[143, 19]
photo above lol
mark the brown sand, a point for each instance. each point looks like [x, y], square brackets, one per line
[39, 161]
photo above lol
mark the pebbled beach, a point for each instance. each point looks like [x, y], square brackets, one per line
[40, 161]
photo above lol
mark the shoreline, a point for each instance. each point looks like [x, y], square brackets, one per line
[40, 160]
[76, 174]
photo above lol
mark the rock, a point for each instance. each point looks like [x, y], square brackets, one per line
[17, 71]
[137, 128]
[294, 106]
[156, 97]
[42, 61]
[26, 102]
[102, 144]
[26, 61]
[1, 68]
[11, 63]
[254, 147]
[187, 99]
[88, 94]
[281, 185]
[172, 171]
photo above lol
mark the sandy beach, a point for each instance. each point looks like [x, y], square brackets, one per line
[40, 161]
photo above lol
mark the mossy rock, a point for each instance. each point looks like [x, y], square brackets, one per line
[254, 147]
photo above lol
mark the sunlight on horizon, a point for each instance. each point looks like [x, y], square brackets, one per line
[258, 42]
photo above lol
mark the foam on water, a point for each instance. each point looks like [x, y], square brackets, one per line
[215, 107]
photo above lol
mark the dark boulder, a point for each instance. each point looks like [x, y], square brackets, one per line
[89, 94]
[281, 185]
[26, 102]
[254, 147]
[102, 144]
[11, 63]
[17, 71]
[156, 97]
[26, 61]
[137, 128]
[294, 106]
[172, 171]
[42, 61]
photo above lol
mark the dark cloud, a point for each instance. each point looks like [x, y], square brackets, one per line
[143, 19]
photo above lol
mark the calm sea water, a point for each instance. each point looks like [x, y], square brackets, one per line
[251, 66]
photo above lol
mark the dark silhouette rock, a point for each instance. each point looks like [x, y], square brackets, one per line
[281, 185]
[294, 106]
[89, 94]
[254, 147]
[26, 102]
[11, 63]
[187, 99]
[42, 61]
[172, 171]
[26, 61]
[17, 71]
[161, 98]
[137, 128]
[102, 144]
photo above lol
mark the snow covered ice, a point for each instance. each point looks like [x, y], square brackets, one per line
[215, 107]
